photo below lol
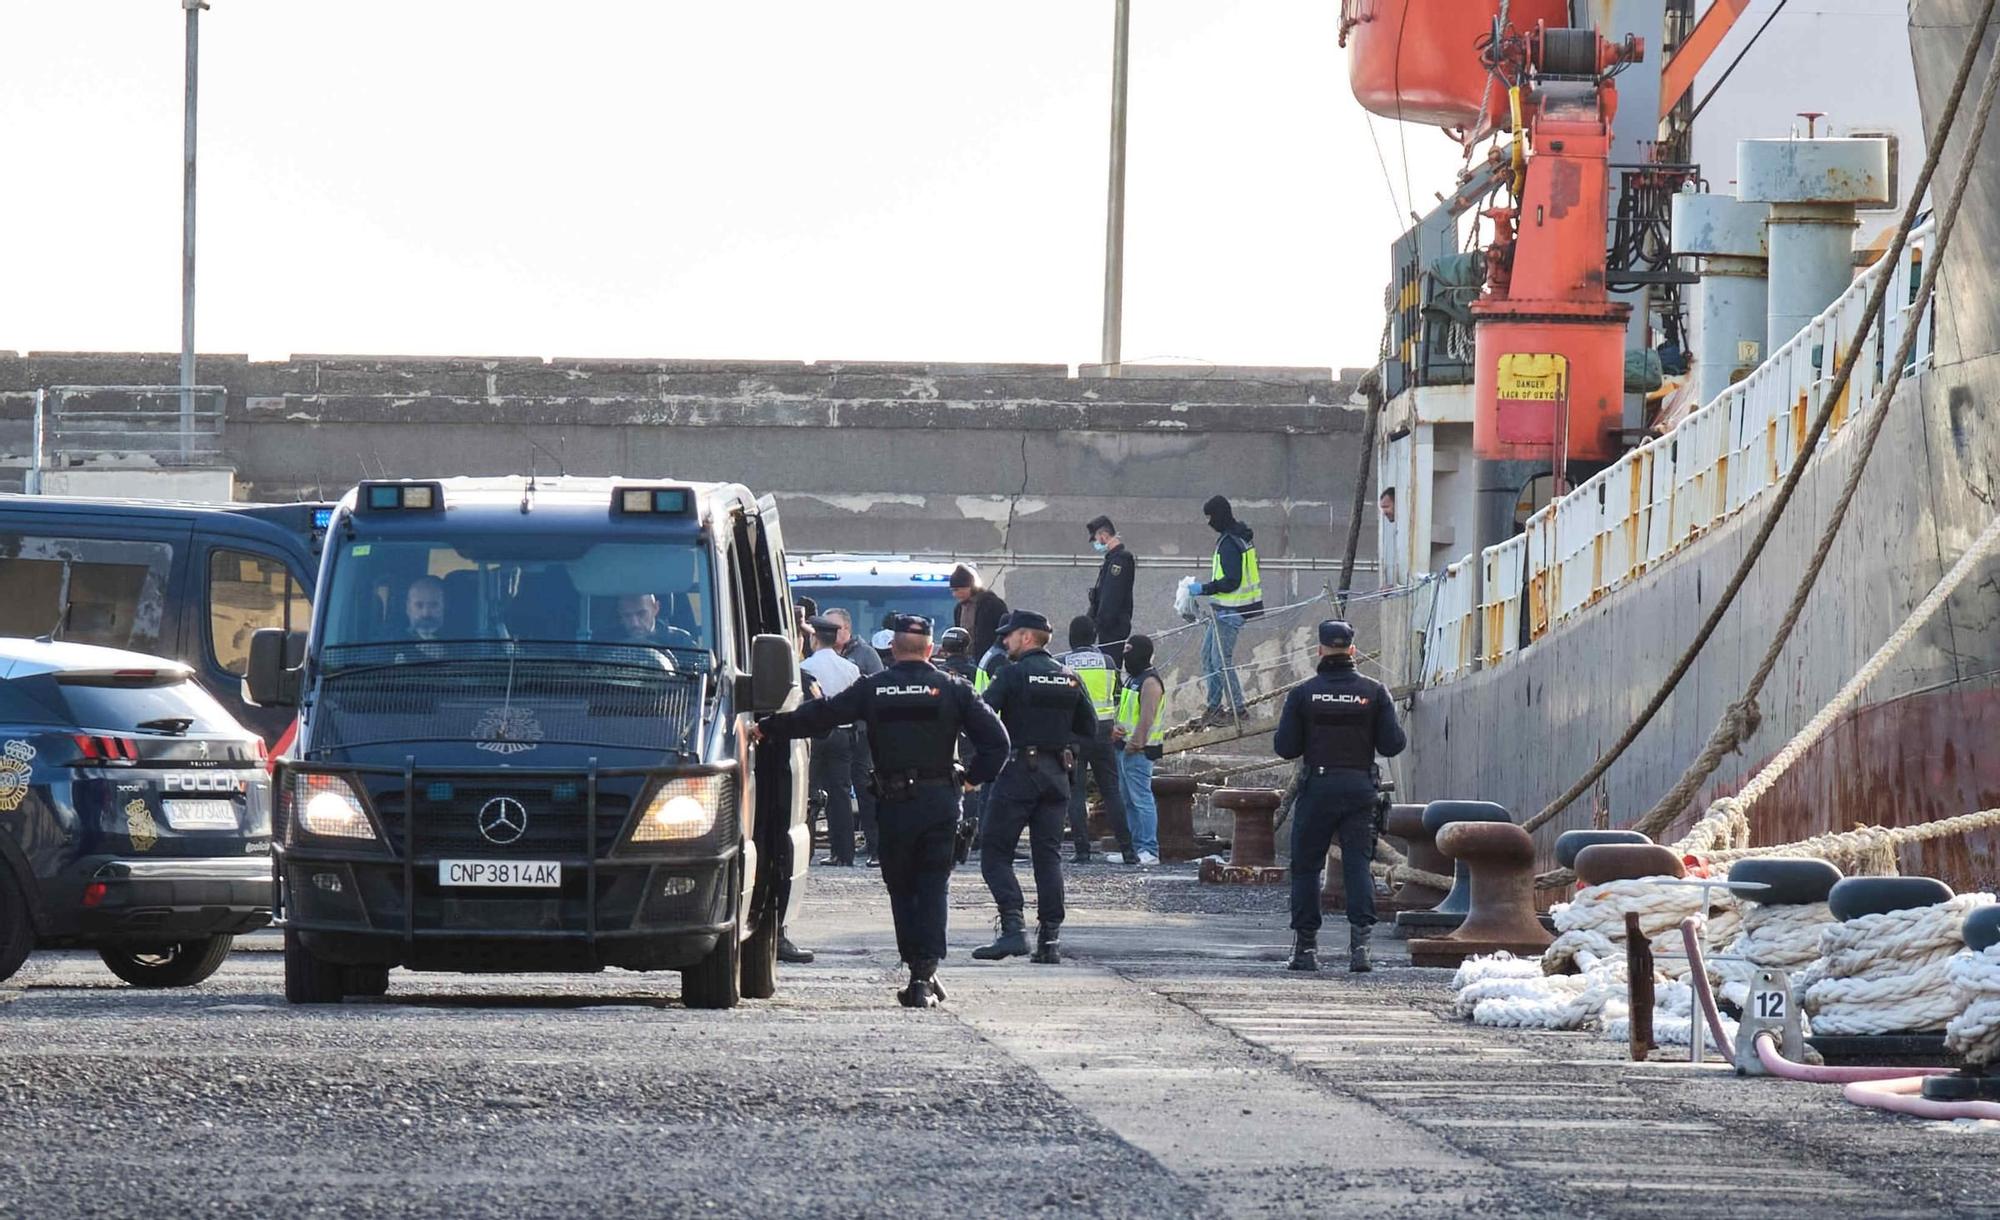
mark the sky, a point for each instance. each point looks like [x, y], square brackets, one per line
[653, 178]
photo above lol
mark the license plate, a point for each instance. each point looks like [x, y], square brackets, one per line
[201, 815]
[545, 874]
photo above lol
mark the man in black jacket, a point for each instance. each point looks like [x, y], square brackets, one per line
[979, 608]
[1337, 721]
[1111, 596]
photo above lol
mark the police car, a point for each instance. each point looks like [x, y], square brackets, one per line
[870, 587]
[134, 814]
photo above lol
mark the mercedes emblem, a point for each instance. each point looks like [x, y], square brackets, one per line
[502, 820]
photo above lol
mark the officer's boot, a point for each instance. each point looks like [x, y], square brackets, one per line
[1012, 941]
[1305, 952]
[1358, 961]
[1048, 950]
[922, 991]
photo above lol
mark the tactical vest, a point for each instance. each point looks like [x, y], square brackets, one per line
[912, 721]
[1128, 709]
[1099, 678]
[1340, 722]
[1252, 588]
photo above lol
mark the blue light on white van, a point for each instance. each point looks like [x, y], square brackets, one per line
[932, 578]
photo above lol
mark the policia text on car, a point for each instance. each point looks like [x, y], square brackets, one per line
[915, 714]
[1337, 722]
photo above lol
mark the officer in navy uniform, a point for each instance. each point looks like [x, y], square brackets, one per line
[1045, 708]
[1337, 721]
[914, 713]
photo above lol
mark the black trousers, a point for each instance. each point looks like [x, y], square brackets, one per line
[1337, 805]
[1098, 759]
[833, 773]
[917, 841]
[862, 769]
[1030, 795]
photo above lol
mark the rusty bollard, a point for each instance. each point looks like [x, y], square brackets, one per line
[1174, 797]
[1253, 844]
[1500, 858]
[1639, 988]
[1406, 822]
[1602, 862]
[1450, 911]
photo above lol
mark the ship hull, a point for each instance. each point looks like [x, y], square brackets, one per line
[1923, 742]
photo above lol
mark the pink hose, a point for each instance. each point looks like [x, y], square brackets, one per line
[1902, 1097]
[1698, 975]
[1775, 1063]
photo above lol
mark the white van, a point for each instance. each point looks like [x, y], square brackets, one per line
[870, 586]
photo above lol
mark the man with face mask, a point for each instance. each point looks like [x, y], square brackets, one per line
[1111, 596]
[1138, 736]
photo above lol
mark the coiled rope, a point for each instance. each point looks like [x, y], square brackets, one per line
[1974, 1033]
[1887, 973]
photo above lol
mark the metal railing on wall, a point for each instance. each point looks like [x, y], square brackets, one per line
[1659, 497]
[115, 427]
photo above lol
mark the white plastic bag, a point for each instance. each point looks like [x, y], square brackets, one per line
[1184, 604]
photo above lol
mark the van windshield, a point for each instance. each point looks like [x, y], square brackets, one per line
[868, 606]
[525, 588]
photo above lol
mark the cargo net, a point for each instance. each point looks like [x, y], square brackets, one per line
[510, 697]
[1227, 674]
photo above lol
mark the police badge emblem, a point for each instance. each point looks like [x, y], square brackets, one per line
[16, 767]
[507, 730]
[139, 826]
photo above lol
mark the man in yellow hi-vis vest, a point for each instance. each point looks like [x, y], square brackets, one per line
[1236, 589]
[1096, 757]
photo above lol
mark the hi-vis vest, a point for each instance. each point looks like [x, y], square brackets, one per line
[1099, 678]
[1252, 588]
[1128, 709]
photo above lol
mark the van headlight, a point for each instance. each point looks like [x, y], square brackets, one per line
[683, 809]
[328, 806]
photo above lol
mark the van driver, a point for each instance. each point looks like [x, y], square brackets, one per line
[639, 623]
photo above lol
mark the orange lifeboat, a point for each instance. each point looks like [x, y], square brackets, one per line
[1417, 61]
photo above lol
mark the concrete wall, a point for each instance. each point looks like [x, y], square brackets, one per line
[1001, 463]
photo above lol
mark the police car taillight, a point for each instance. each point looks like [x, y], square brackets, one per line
[112, 750]
[653, 501]
[400, 497]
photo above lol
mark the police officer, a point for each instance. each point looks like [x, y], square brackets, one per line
[915, 714]
[955, 658]
[1045, 708]
[1337, 721]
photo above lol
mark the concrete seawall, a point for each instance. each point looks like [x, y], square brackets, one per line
[997, 462]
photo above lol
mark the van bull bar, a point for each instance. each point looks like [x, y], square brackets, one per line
[639, 904]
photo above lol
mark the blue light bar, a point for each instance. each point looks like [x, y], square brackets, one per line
[401, 497]
[661, 501]
[931, 578]
[322, 517]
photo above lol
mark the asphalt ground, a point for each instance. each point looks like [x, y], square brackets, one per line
[1170, 1068]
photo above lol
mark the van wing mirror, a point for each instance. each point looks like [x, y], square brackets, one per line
[774, 672]
[276, 664]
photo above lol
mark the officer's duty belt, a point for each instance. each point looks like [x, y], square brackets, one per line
[1331, 770]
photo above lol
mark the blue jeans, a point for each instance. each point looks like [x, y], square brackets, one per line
[1218, 651]
[1142, 816]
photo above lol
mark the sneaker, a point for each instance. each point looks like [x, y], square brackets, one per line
[1080, 856]
[1146, 857]
[1117, 857]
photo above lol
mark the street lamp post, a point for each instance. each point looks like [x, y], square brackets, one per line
[1114, 220]
[193, 9]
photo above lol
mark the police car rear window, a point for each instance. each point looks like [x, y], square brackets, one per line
[123, 708]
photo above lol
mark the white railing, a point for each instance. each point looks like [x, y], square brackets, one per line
[1448, 645]
[1656, 498]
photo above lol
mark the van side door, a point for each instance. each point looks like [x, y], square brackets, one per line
[236, 587]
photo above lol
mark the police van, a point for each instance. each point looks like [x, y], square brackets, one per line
[189, 581]
[521, 741]
[869, 587]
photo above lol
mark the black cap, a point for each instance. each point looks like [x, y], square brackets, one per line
[1099, 522]
[1024, 620]
[825, 628]
[964, 576]
[1335, 634]
[910, 624]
